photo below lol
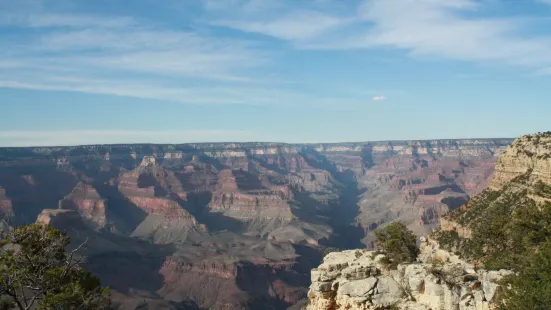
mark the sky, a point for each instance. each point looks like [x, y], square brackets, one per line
[176, 71]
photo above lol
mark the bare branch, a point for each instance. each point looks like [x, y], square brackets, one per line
[70, 259]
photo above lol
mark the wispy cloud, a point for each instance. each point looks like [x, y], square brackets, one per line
[152, 51]
[454, 29]
[83, 137]
[294, 26]
[450, 29]
[378, 98]
[123, 56]
[131, 56]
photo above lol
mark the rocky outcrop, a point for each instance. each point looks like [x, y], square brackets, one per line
[356, 279]
[528, 153]
[58, 218]
[86, 200]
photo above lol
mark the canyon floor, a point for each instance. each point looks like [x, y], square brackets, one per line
[234, 225]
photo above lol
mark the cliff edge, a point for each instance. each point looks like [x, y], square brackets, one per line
[357, 279]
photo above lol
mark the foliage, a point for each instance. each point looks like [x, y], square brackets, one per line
[37, 273]
[398, 243]
[542, 189]
[531, 287]
[507, 227]
[509, 230]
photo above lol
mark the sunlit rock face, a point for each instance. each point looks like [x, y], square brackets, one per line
[86, 200]
[528, 153]
[356, 279]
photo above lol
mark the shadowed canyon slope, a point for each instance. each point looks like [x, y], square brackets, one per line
[234, 225]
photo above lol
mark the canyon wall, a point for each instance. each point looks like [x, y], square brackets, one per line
[449, 273]
[528, 153]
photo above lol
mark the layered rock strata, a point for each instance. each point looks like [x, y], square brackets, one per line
[85, 199]
[528, 153]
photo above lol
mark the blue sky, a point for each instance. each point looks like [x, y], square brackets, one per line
[113, 71]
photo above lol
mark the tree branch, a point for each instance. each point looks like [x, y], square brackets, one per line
[70, 259]
[31, 303]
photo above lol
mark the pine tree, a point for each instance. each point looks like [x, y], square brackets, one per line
[36, 272]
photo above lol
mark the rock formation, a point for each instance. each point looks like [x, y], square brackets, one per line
[356, 279]
[86, 200]
[530, 152]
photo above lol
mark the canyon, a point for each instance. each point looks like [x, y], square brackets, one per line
[235, 225]
[462, 264]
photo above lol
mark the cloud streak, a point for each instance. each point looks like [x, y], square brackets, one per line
[454, 29]
[122, 56]
[87, 137]
[378, 98]
[297, 26]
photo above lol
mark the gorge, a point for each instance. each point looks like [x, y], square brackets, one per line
[235, 225]
[490, 253]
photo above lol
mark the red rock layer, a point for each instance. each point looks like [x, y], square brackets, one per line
[228, 285]
[262, 204]
[86, 200]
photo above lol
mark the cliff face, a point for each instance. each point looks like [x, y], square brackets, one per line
[528, 153]
[418, 189]
[159, 215]
[357, 280]
[522, 174]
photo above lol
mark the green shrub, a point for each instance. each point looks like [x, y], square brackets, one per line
[398, 243]
[509, 231]
[531, 287]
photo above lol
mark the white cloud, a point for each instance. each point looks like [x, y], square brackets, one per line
[378, 98]
[84, 137]
[441, 29]
[451, 29]
[121, 56]
[128, 47]
[294, 26]
[151, 89]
